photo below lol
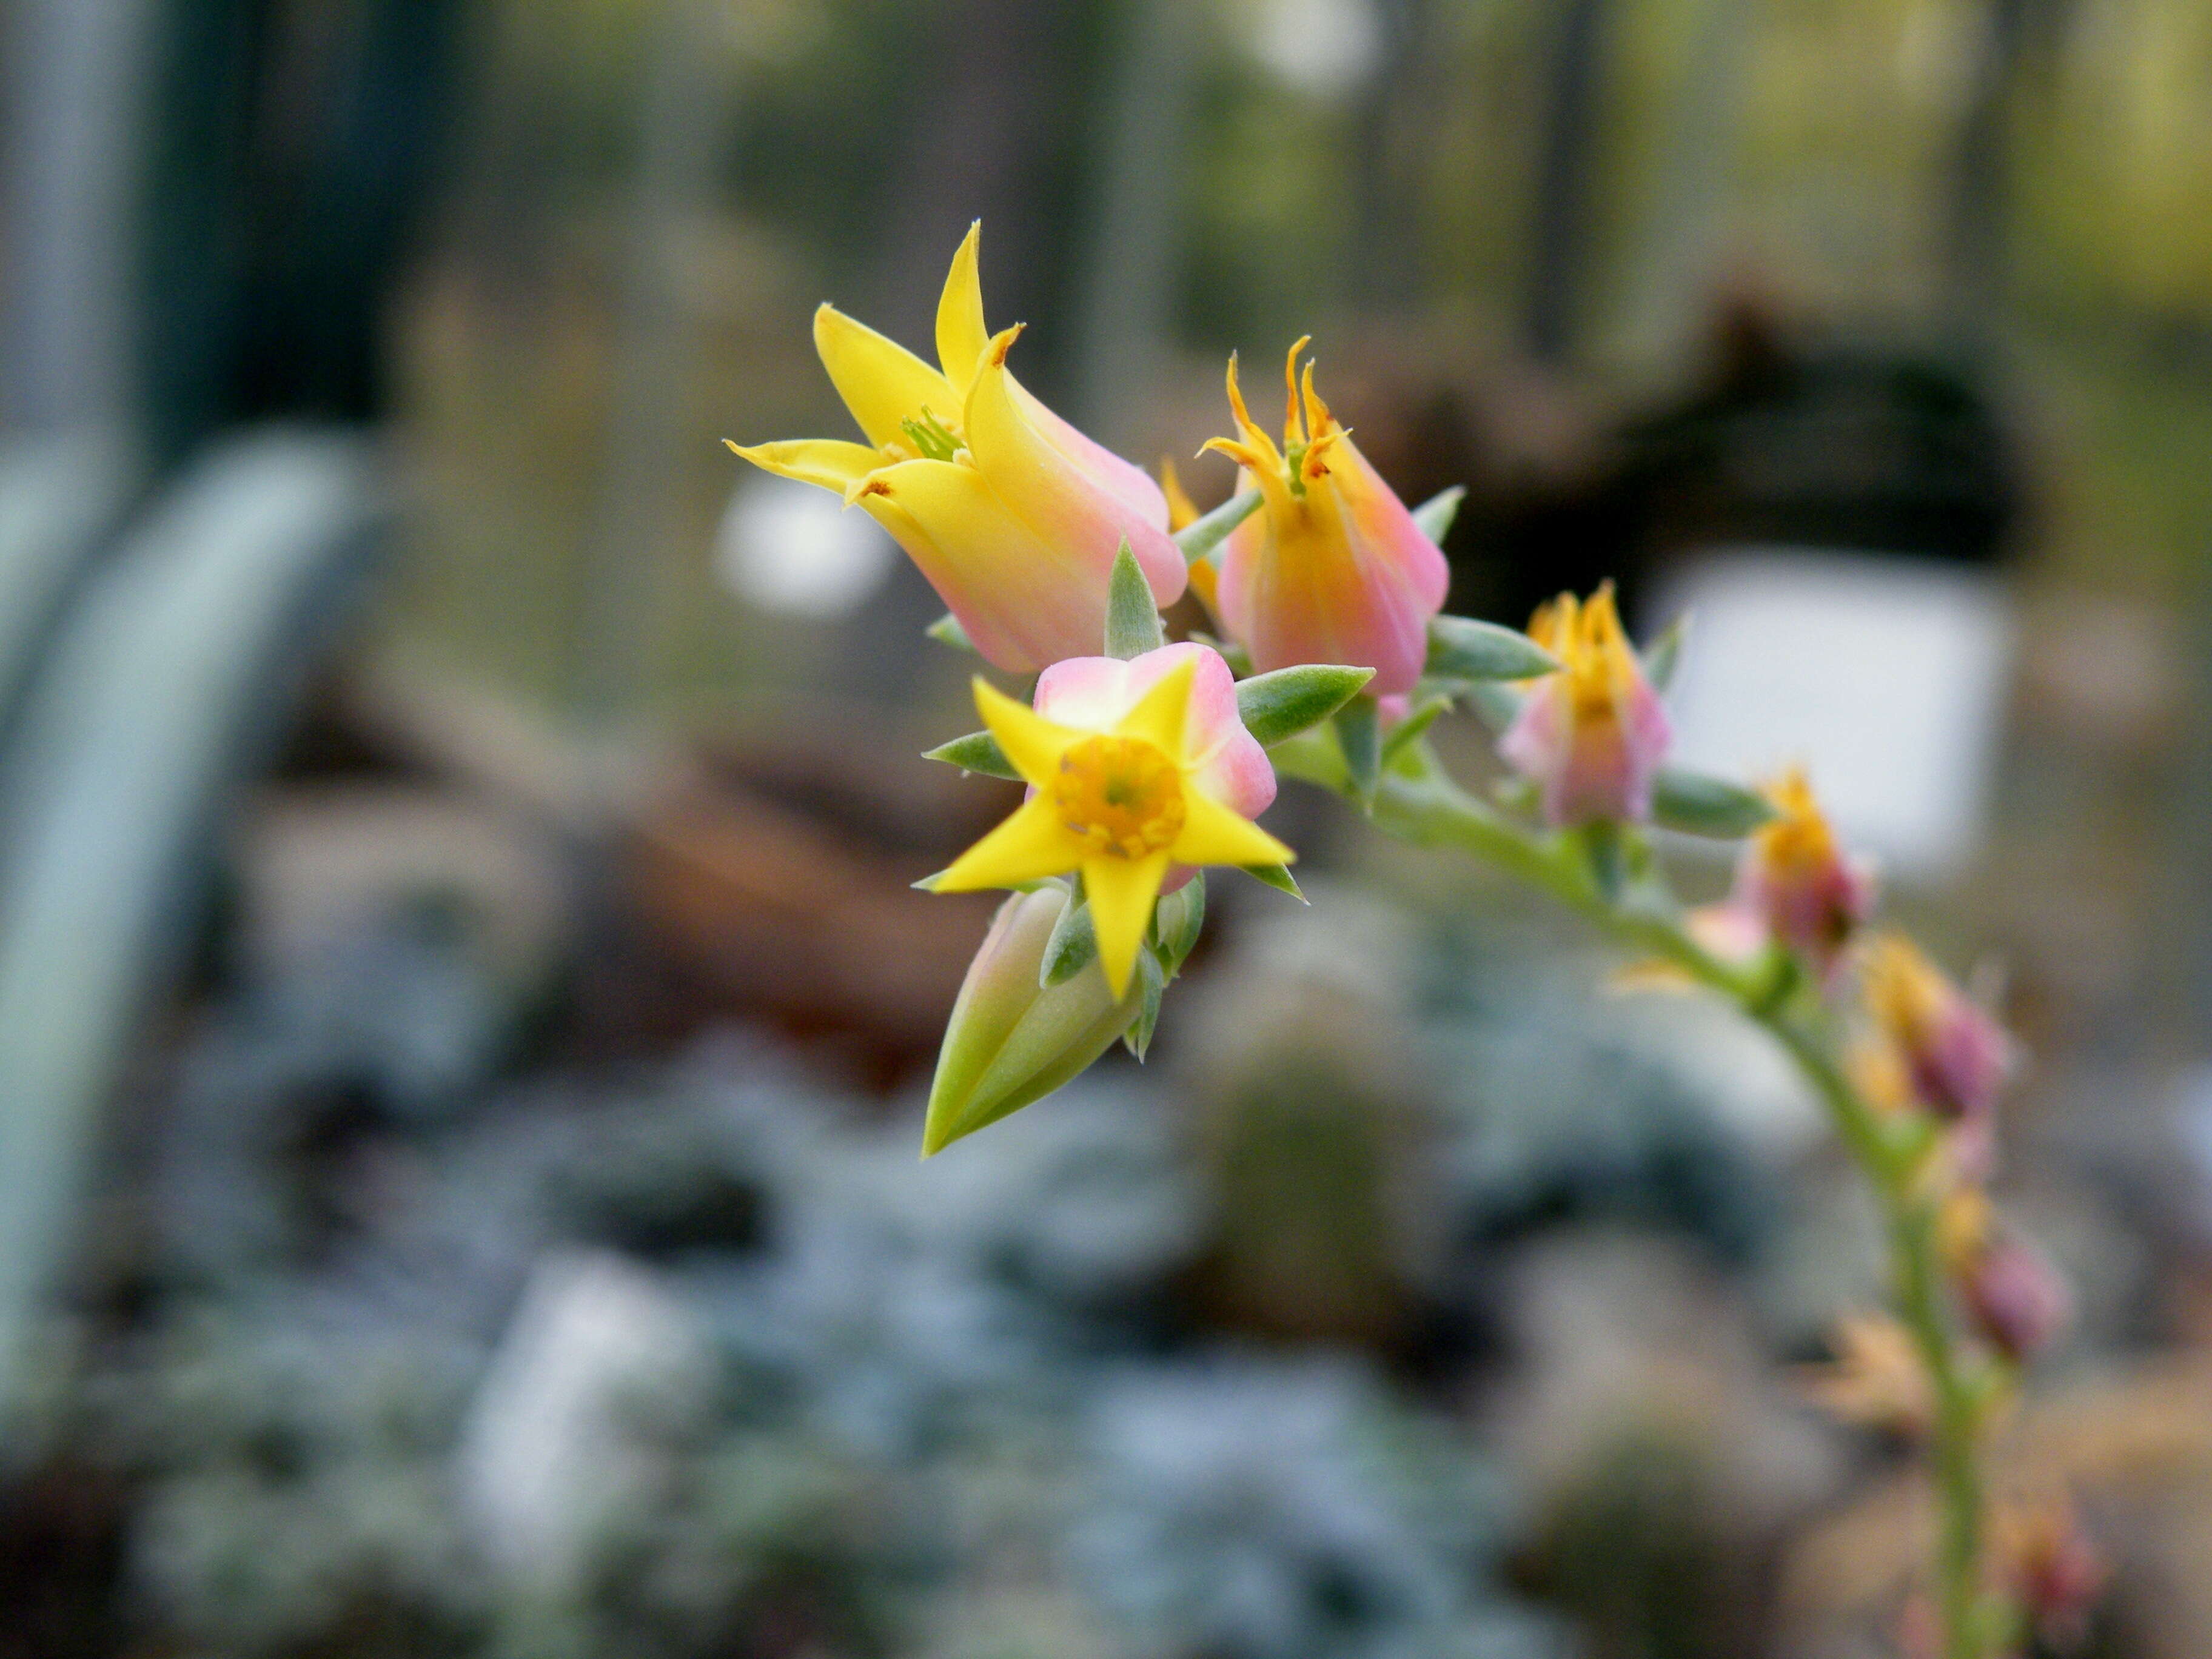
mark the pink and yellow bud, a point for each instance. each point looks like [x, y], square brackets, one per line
[1809, 896]
[1013, 515]
[2015, 1298]
[1139, 771]
[1590, 737]
[2011, 1293]
[1010, 1041]
[1333, 568]
[1954, 1057]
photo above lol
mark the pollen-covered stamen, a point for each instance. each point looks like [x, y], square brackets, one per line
[1121, 795]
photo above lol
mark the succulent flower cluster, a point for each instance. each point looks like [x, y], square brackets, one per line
[1147, 761]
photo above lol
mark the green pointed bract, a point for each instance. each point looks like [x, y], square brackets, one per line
[1358, 734]
[1010, 1043]
[1277, 877]
[1663, 656]
[978, 751]
[1073, 946]
[1149, 986]
[1463, 648]
[1178, 922]
[1279, 705]
[947, 630]
[1201, 536]
[1434, 516]
[1133, 616]
[1697, 805]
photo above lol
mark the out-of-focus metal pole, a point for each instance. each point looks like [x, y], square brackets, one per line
[77, 73]
[1130, 292]
[684, 124]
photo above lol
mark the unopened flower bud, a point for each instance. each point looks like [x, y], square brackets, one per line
[2015, 1298]
[1010, 1042]
[1799, 882]
[1956, 1057]
[1591, 736]
[2056, 1571]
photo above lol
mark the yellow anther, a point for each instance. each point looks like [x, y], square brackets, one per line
[1122, 795]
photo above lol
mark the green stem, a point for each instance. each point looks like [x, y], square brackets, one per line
[1417, 803]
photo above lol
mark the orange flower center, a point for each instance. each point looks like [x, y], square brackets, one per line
[1121, 795]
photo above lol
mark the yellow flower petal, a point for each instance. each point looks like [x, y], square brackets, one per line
[829, 462]
[1021, 599]
[1031, 742]
[1259, 441]
[881, 381]
[1028, 847]
[961, 335]
[1158, 716]
[1182, 512]
[1292, 431]
[1122, 893]
[1212, 834]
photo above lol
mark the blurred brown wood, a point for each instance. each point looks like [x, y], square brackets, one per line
[778, 884]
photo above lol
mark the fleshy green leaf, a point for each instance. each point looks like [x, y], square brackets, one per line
[978, 751]
[1408, 730]
[1496, 706]
[1358, 734]
[1277, 877]
[1280, 705]
[1133, 616]
[947, 630]
[1434, 516]
[1201, 536]
[1665, 655]
[1697, 805]
[1073, 946]
[1463, 648]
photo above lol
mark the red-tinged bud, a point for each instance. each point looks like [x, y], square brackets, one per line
[2016, 1298]
[1956, 1057]
[2013, 1295]
[1794, 878]
[2056, 1571]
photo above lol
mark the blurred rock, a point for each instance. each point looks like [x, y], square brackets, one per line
[552, 1442]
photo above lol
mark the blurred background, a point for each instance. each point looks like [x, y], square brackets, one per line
[463, 1015]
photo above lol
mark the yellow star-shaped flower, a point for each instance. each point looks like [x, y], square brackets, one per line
[1123, 805]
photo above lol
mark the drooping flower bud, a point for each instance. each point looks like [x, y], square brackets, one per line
[1591, 736]
[1333, 568]
[2017, 1299]
[1010, 1042]
[1013, 515]
[2012, 1294]
[1793, 877]
[1956, 1057]
[2057, 1572]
